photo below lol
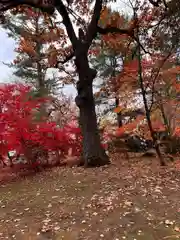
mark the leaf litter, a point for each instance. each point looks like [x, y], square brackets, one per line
[122, 201]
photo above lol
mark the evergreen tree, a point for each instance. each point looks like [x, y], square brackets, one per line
[36, 52]
[108, 56]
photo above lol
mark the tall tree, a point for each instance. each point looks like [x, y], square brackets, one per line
[93, 152]
[108, 54]
[150, 65]
[35, 36]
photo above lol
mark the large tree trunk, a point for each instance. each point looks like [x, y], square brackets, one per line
[93, 153]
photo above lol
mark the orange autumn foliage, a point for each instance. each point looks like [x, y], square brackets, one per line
[38, 40]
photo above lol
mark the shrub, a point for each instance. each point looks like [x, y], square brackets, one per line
[33, 139]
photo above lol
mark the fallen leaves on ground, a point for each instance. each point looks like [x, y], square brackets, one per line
[122, 201]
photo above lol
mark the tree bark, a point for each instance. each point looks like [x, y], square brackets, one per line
[40, 75]
[93, 153]
[153, 135]
[147, 109]
[119, 114]
[166, 122]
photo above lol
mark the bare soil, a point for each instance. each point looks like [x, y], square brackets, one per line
[135, 200]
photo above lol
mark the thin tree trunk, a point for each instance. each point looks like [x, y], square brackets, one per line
[42, 90]
[147, 111]
[93, 153]
[40, 74]
[169, 147]
[119, 114]
[166, 123]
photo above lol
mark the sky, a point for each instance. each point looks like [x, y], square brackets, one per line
[7, 53]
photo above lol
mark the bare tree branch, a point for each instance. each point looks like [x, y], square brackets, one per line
[93, 26]
[67, 22]
[165, 4]
[113, 30]
[76, 16]
[155, 3]
[155, 78]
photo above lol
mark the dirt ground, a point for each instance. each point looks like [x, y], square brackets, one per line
[133, 201]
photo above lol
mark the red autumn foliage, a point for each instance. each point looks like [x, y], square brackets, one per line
[21, 132]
